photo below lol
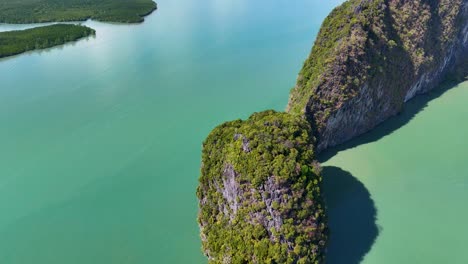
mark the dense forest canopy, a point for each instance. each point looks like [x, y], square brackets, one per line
[19, 41]
[34, 11]
[259, 192]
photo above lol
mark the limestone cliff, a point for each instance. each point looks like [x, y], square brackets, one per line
[371, 56]
[259, 192]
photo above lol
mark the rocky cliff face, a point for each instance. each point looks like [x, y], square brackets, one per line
[371, 56]
[259, 193]
[259, 189]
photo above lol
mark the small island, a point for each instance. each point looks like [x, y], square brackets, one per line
[259, 192]
[19, 41]
[39, 11]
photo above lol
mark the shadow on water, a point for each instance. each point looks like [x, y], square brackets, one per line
[410, 110]
[352, 217]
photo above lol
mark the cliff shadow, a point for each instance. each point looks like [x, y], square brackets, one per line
[351, 216]
[410, 110]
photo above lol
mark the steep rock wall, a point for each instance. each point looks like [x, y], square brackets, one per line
[259, 193]
[371, 56]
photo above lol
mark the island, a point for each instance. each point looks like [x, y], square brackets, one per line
[259, 191]
[38, 11]
[370, 57]
[19, 41]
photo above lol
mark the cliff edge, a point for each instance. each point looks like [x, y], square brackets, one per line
[259, 189]
[259, 192]
[371, 56]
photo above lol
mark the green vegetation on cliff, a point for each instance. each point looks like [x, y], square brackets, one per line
[16, 42]
[259, 192]
[340, 32]
[34, 11]
[369, 57]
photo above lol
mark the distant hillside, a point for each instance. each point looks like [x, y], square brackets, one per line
[34, 11]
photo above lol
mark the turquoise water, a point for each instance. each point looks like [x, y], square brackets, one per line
[101, 139]
[399, 193]
[100, 142]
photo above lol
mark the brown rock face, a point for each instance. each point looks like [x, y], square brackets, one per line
[371, 56]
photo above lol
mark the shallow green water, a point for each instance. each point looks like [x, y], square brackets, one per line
[100, 140]
[399, 193]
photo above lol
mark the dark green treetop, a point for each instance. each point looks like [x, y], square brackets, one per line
[259, 192]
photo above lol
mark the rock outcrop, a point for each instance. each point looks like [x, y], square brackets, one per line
[371, 56]
[259, 192]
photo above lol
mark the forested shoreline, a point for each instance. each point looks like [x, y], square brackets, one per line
[39, 11]
[19, 41]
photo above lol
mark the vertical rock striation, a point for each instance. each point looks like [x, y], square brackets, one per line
[259, 192]
[371, 56]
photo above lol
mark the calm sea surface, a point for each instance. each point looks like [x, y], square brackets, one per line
[100, 142]
[400, 193]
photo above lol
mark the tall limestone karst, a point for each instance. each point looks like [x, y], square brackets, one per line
[259, 192]
[260, 189]
[371, 56]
